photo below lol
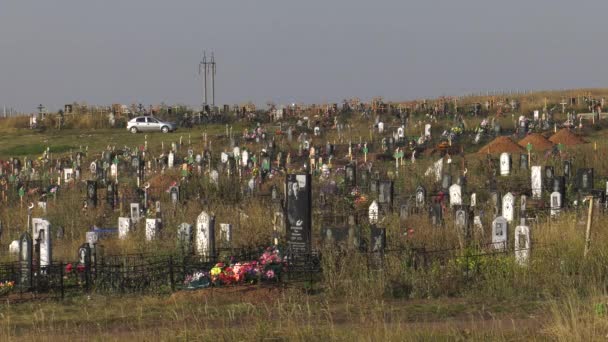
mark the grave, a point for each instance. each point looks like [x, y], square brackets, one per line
[42, 237]
[556, 203]
[124, 227]
[299, 213]
[205, 235]
[455, 195]
[184, 238]
[508, 204]
[522, 244]
[152, 229]
[505, 164]
[499, 233]
[537, 183]
[25, 261]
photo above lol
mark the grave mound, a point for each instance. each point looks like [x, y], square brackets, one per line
[566, 137]
[538, 141]
[500, 145]
[163, 181]
[254, 294]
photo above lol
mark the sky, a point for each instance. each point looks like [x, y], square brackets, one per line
[314, 51]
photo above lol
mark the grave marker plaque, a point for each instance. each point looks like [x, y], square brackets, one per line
[584, 180]
[508, 202]
[351, 175]
[298, 207]
[135, 213]
[537, 184]
[556, 203]
[205, 235]
[25, 260]
[385, 192]
[455, 195]
[377, 240]
[373, 213]
[124, 227]
[499, 233]
[42, 236]
[420, 196]
[151, 229]
[505, 164]
[184, 237]
[226, 233]
[522, 245]
[92, 193]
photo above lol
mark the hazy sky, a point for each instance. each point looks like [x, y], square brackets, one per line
[132, 51]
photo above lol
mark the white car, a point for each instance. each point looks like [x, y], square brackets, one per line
[149, 124]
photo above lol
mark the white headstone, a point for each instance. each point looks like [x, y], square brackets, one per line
[151, 229]
[427, 130]
[113, 170]
[473, 200]
[226, 232]
[205, 234]
[92, 238]
[42, 233]
[537, 185]
[400, 132]
[455, 195]
[522, 245]
[237, 152]
[380, 127]
[373, 213]
[499, 233]
[536, 115]
[556, 203]
[13, 248]
[505, 164]
[67, 174]
[171, 159]
[508, 202]
[135, 213]
[124, 227]
[224, 157]
[214, 176]
[245, 158]
[42, 205]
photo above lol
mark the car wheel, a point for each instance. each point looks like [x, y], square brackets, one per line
[165, 129]
[133, 129]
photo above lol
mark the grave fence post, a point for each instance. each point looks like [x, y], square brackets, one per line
[61, 279]
[171, 274]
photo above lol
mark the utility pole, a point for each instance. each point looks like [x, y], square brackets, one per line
[212, 80]
[203, 68]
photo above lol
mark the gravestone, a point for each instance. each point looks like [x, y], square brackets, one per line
[404, 211]
[351, 175]
[171, 160]
[559, 185]
[537, 182]
[184, 237]
[299, 212]
[377, 240]
[205, 235]
[523, 201]
[91, 193]
[427, 130]
[151, 229]
[214, 177]
[455, 195]
[556, 203]
[113, 171]
[420, 196]
[385, 193]
[278, 226]
[523, 161]
[522, 244]
[68, 174]
[436, 214]
[499, 233]
[334, 237]
[567, 169]
[549, 174]
[446, 182]
[373, 213]
[42, 205]
[124, 227]
[25, 261]
[508, 204]
[585, 180]
[473, 200]
[226, 233]
[92, 238]
[42, 237]
[174, 193]
[135, 213]
[505, 164]
[461, 221]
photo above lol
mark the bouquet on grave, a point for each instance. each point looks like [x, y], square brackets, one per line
[6, 287]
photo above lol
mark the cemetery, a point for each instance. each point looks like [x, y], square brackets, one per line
[499, 196]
